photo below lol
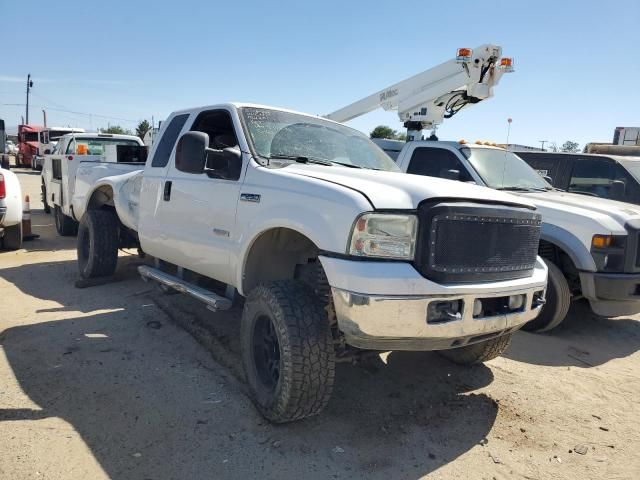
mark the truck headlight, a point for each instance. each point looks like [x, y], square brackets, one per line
[384, 235]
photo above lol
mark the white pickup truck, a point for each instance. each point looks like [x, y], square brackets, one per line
[591, 245]
[10, 210]
[75, 156]
[333, 248]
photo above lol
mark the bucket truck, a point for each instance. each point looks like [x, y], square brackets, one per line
[425, 99]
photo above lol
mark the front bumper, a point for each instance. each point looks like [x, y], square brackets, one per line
[373, 319]
[612, 294]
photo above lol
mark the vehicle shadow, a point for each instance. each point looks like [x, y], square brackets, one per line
[150, 403]
[583, 340]
[55, 281]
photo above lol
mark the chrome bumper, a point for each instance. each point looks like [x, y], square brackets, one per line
[395, 322]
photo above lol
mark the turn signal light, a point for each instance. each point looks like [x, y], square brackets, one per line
[462, 141]
[601, 241]
[3, 188]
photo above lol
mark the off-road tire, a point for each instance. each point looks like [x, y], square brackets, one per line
[478, 352]
[12, 238]
[558, 302]
[98, 239]
[306, 351]
[47, 207]
[65, 225]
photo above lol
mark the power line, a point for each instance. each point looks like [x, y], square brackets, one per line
[93, 115]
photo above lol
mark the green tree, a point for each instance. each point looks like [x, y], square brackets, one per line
[142, 129]
[382, 131]
[569, 146]
[116, 129]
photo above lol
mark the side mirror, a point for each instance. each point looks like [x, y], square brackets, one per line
[191, 152]
[548, 179]
[617, 189]
[47, 151]
[450, 174]
[225, 163]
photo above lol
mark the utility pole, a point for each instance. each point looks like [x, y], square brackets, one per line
[542, 142]
[29, 86]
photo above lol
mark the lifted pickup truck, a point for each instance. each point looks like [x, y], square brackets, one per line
[589, 244]
[333, 248]
[86, 156]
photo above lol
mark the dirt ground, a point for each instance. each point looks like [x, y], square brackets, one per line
[120, 381]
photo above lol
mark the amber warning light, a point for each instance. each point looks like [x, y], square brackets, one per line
[506, 64]
[464, 54]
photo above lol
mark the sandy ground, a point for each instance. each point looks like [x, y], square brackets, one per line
[120, 381]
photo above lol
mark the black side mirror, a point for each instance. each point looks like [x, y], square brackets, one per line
[225, 163]
[191, 152]
[617, 189]
[451, 174]
[47, 151]
[548, 179]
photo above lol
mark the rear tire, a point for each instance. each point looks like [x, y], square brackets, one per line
[65, 225]
[558, 302]
[98, 239]
[478, 352]
[287, 351]
[12, 238]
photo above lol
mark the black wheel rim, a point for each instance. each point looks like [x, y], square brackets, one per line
[266, 352]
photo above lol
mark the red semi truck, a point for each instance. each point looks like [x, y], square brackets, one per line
[27, 144]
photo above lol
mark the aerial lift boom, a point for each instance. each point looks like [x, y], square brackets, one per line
[425, 99]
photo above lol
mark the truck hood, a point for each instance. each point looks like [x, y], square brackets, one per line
[397, 190]
[554, 203]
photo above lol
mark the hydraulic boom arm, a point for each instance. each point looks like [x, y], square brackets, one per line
[427, 98]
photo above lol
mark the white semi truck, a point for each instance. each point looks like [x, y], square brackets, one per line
[332, 247]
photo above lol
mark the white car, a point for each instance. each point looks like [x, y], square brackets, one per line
[12, 148]
[333, 247]
[10, 210]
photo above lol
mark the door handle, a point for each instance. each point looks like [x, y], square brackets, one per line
[167, 191]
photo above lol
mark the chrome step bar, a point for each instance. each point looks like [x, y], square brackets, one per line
[214, 301]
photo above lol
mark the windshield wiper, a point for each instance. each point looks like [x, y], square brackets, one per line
[317, 161]
[301, 159]
[515, 189]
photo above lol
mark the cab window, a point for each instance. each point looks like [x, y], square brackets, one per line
[437, 162]
[594, 176]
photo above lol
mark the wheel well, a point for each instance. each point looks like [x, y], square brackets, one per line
[274, 255]
[101, 198]
[561, 259]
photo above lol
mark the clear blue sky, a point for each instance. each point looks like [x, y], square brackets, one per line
[577, 67]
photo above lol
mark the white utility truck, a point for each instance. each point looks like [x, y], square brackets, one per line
[48, 138]
[590, 245]
[76, 155]
[10, 210]
[334, 249]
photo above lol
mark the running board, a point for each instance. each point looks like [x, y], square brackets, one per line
[214, 301]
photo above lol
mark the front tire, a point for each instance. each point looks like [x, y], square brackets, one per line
[98, 239]
[12, 238]
[65, 225]
[287, 351]
[558, 302]
[478, 352]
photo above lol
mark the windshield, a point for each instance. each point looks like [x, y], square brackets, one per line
[279, 135]
[56, 134]
[95, 146]
[31, 136]
[632, 166]
[503, 170]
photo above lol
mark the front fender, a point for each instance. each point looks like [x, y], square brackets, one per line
[570, 244]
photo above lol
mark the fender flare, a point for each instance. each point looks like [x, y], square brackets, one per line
[570, 244]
